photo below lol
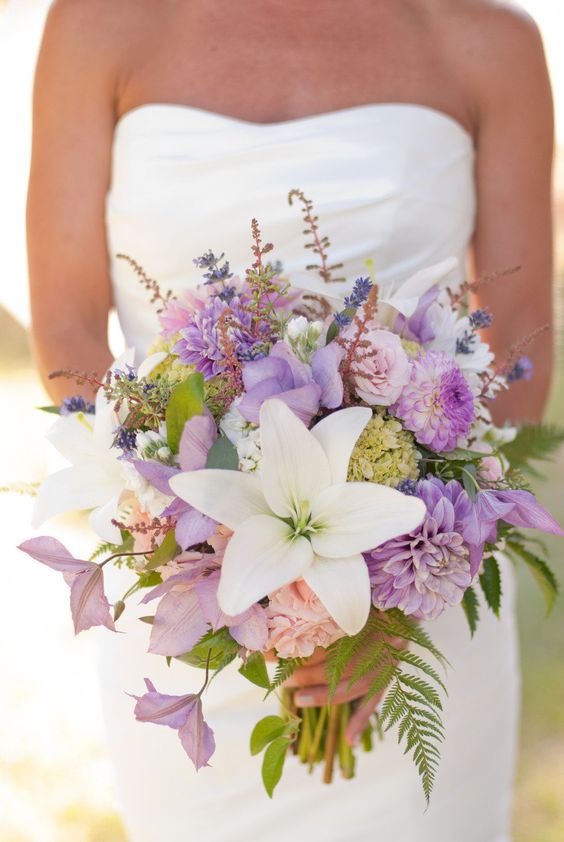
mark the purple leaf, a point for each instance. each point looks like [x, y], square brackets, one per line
[178, 624]
[51, 552]
[193, 528]
[252, 630]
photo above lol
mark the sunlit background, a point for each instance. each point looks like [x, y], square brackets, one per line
[55, 781]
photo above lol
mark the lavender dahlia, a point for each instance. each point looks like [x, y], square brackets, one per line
[423, 571]
[437, 404]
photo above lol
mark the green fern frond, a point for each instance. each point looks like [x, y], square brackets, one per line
[490, 582]
[470, 605]
[533, 442]
[284, 669]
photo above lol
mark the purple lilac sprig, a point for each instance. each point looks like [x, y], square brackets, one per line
[522, 370]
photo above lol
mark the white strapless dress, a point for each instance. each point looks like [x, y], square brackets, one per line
[391, 182]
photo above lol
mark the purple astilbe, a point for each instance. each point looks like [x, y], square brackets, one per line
[183, 714]
[424, 571]
[198, 436]
[437, 404]
[516, 507]
[200, 342]
[188, 608]
[418, 327]
[303, 388]
[89, 606]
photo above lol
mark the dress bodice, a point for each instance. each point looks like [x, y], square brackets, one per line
[389, 182]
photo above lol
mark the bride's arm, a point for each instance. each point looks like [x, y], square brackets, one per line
[514, 225]
[73, 121]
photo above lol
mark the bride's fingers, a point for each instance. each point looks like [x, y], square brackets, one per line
[360, 718]
[307, 676]
[317, 695]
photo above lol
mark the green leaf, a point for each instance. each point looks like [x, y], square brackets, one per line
[265, 731]
[332, 333]
[490, 582]
[54, 410]
[186, 400]
[469, 480]
[459, 455]
[470, 606]
[165, 552]
[255, 670]
[273, 763]
[542, 573]
[223, 454]
[223, 650]
[533, 441]
[119, 608]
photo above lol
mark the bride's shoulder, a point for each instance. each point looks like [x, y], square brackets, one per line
[497, 49]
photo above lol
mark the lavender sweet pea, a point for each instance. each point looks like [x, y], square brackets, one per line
[301, 387]
[89, 605]
[183, 714]
[429, 568]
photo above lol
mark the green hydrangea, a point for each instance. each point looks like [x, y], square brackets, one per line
[412, 349]
[385, 453]
[171, 370]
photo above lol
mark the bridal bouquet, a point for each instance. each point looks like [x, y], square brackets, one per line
[288, 478]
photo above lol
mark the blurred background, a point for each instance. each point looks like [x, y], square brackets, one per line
[55, 782]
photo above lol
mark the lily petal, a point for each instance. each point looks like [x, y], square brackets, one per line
[261, 556]
[354, 517]
[230, 497]
[100, 520]
[294, 466]
[343, 586]
[150, 363]
[337, 434]
[84, 487]
[406, 297]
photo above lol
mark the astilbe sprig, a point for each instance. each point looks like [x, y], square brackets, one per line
[318, 244]
[357, 349]
[150, 284]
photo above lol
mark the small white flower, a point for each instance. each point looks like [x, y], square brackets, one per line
[150, 499]
[303, 337]
[245, 436]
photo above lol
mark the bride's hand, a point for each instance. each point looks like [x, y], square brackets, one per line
[310, 684]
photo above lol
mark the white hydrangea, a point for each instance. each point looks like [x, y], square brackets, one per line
[303, 336]
[245, 436]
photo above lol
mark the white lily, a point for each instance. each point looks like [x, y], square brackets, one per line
[300, 518]
[404, 296]
[95, 479]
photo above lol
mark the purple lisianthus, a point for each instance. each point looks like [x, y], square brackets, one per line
[423, 571]
[437, 404]
[303, 388]
[200, 337]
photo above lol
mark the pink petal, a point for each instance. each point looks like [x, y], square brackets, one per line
[325, 367]
[162, 709]
[178, 624]
[196, 736]
[199, 433]
[89, 605]
[51, 552]
[252, 630]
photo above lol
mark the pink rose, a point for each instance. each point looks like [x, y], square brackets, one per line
[298, 622]
[490, 469]
[381, 367]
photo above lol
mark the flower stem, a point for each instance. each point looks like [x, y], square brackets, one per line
[331, 743]
[318, 733]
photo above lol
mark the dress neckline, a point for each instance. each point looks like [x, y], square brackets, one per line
[145, 109]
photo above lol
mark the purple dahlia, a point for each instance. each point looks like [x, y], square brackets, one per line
[437, 404]
[423, 571]
[200, 341]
